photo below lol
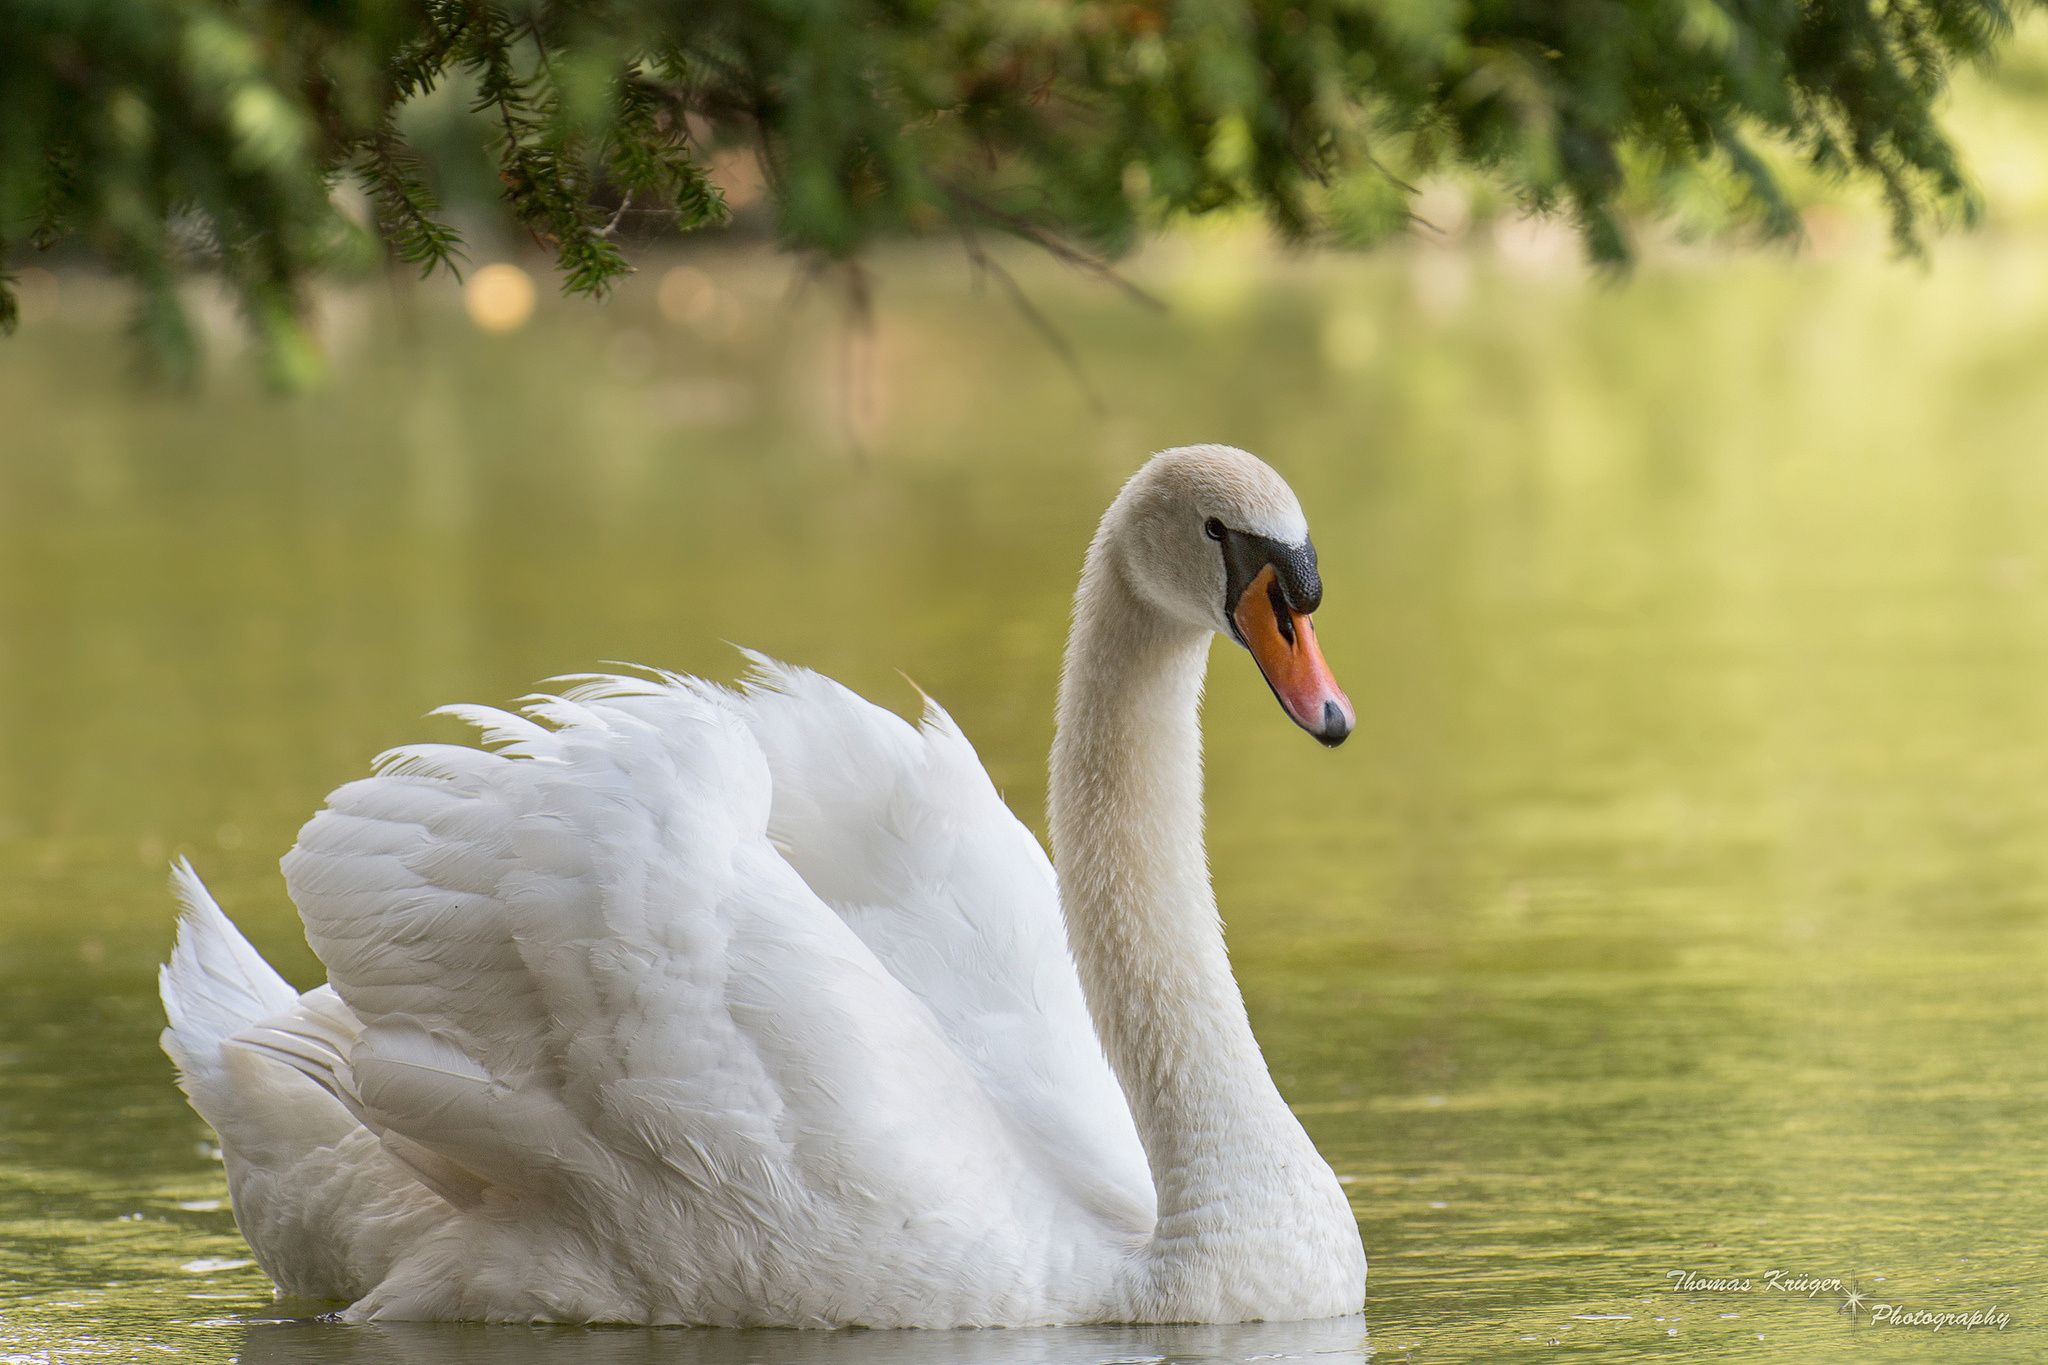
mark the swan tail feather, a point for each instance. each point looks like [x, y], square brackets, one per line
[215, 985]
[230, 1016]
[303, 1167]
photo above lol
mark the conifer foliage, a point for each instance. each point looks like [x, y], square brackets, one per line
[164, 134]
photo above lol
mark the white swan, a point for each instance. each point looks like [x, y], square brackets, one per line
[681, 1005]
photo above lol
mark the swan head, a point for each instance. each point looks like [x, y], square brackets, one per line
[1212, 537]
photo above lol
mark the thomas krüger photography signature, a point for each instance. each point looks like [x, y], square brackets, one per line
[1849, 1296]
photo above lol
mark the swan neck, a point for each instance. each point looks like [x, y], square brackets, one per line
[1126, 817]
[1251, 1220]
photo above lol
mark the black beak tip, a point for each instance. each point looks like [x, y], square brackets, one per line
[1335, 729]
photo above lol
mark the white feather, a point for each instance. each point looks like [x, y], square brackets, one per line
[585, 992]
[679, 1004]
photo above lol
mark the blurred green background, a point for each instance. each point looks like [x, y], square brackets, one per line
[1679, 904]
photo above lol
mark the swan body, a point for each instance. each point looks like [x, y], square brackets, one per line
[671, 1003]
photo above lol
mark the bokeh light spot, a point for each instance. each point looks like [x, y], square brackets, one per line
[499, 297]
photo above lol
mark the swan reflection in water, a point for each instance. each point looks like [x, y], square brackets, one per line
[309, 1341]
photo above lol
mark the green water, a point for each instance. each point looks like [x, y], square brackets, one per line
[1680, 905]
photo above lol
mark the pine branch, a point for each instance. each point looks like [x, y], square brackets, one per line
[870, 118]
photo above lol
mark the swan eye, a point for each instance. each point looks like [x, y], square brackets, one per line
[1213, 529]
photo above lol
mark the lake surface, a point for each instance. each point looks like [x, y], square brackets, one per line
[1681, 904]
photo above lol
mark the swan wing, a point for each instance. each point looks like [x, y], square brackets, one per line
[900, 829]
[589, 986]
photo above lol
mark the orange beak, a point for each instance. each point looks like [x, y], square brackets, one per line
[1283, 641]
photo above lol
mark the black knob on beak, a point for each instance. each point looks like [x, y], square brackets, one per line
[1335, 727]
